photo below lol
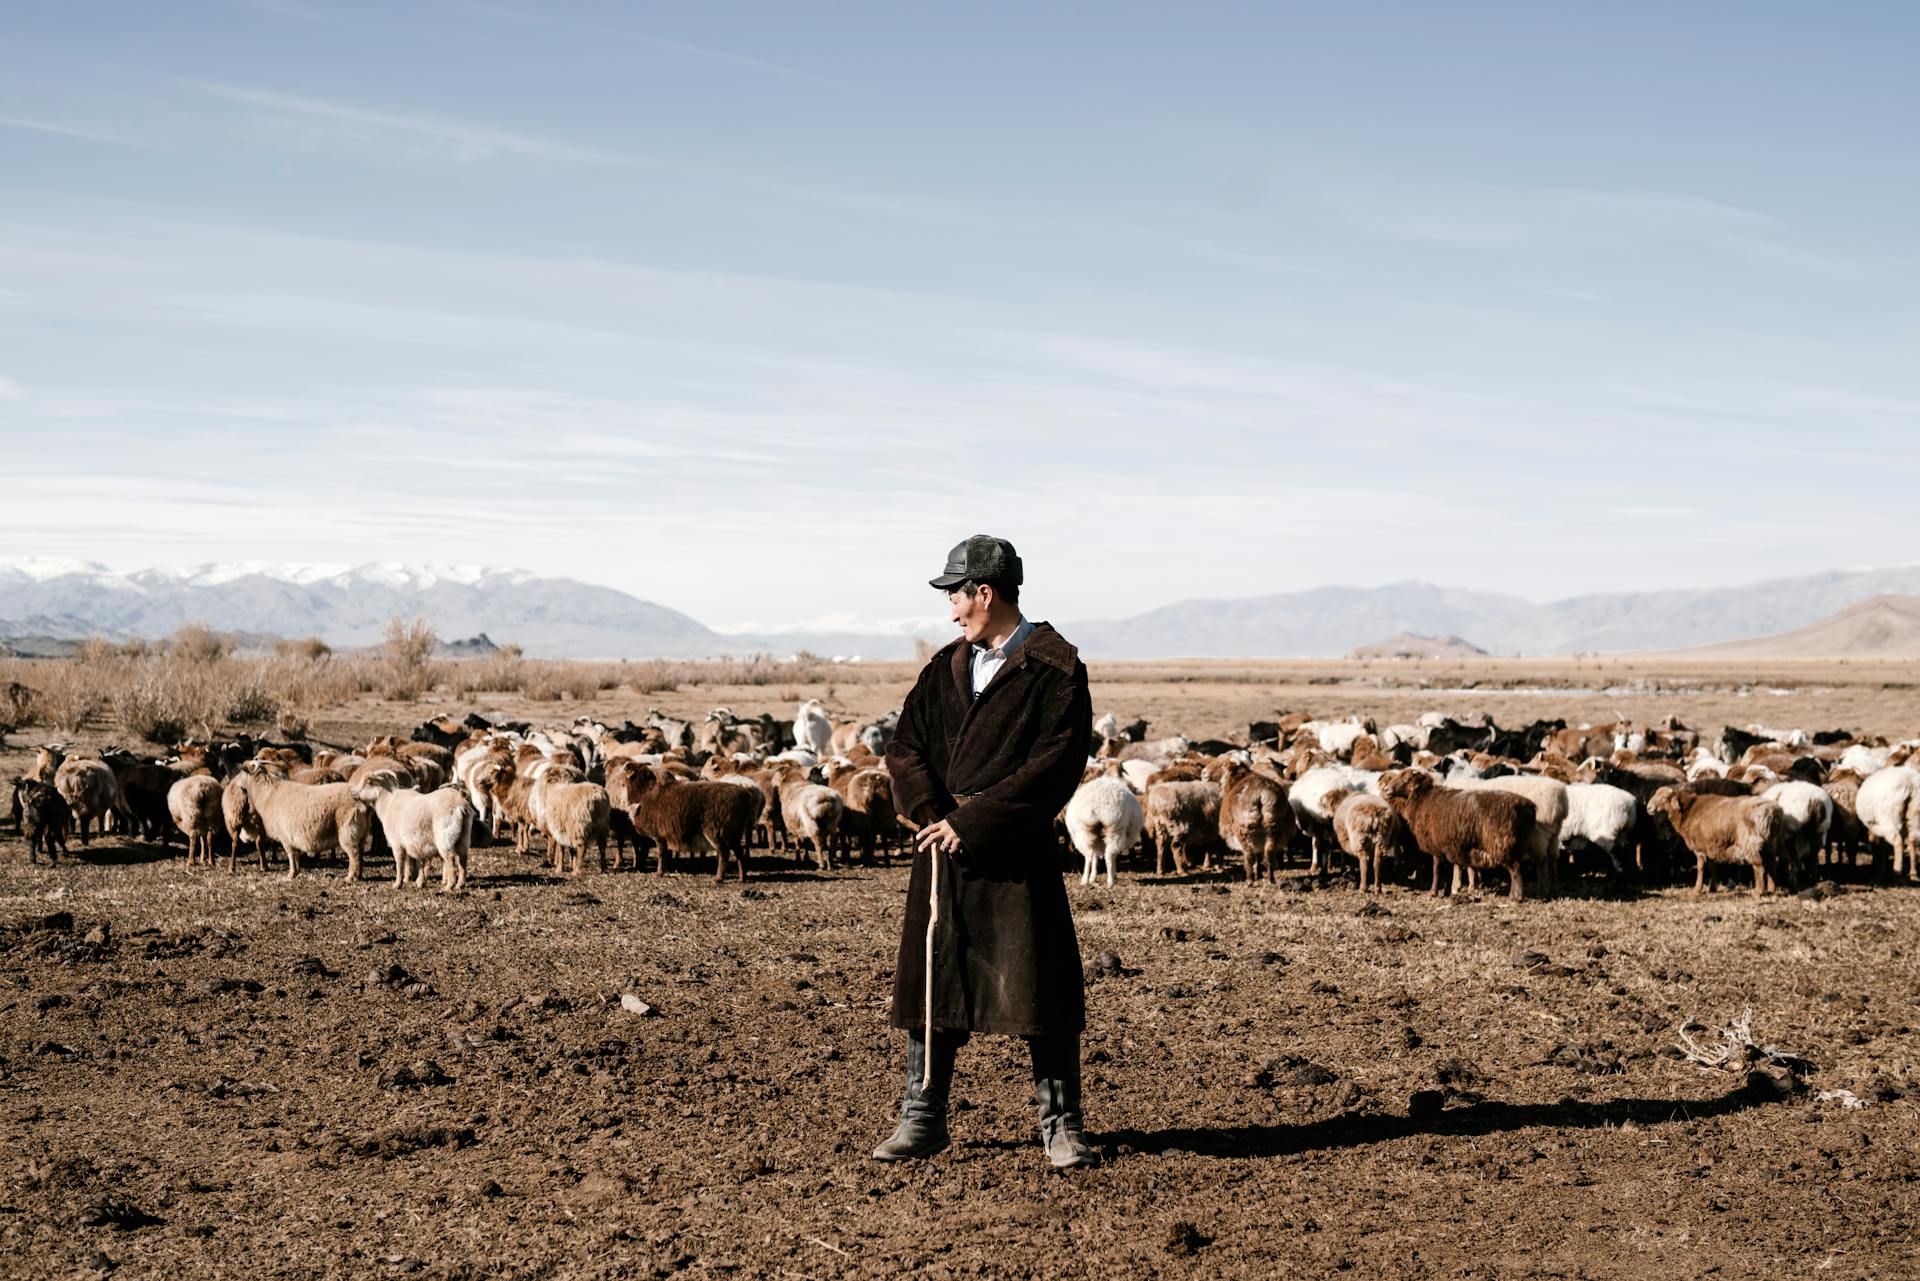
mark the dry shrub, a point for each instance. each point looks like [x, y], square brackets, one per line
[409, 653]
[198, 643]
[250, 698]
[654, 676]
[549, 681]
[71, 693]
[308, 649]
[494, 674]
[165, 700]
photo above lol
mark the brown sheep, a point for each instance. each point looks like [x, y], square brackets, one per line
[1255, 818]
[1724, 829]
[44, 818]
[1182, 817]
[90, 791]
[868, 817]
[694, 818]
[1467, 829]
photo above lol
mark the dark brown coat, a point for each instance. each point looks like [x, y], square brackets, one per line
[998, 768]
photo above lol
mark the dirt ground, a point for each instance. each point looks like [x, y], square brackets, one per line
[246, 1077]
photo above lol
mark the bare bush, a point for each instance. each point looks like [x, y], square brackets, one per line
[165, 700]
[250, 699]
[71, 694]
[310, 649]
[409, 653]
[654, 676]
[198, 643]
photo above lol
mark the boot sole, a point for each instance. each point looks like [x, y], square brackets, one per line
[880, 1154]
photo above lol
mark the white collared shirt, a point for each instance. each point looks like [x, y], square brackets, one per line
[987, 661]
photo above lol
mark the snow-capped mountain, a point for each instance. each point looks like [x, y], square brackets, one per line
[561, 617]
[347, 605]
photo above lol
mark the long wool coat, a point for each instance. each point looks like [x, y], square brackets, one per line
[999, 768]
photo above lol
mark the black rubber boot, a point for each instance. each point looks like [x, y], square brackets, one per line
[1056, 1086]
[923, 1109]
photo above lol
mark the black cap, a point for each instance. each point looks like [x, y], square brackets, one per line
[980, 559]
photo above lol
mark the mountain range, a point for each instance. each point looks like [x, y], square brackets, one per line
[349, 605]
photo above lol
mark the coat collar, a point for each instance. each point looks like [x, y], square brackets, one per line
[1043, 645]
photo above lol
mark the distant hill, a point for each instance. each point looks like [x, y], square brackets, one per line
[1327, 622]
[1879, 627]
[1413, 645]
[44, 603]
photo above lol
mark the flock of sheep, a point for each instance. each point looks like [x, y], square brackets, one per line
[1539, 803]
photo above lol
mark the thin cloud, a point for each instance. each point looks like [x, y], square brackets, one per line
[68, 131]
[460, 139]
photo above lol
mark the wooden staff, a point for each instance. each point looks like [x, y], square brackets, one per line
[933, 919]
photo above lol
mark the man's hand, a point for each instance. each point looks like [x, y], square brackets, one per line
[938, 837]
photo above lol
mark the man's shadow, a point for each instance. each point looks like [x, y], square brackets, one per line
[1352, 1130]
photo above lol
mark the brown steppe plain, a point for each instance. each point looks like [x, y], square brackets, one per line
[214, 1076]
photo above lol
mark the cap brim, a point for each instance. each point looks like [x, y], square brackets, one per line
[947, 582]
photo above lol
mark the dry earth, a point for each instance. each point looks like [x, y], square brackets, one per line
[247, 1077]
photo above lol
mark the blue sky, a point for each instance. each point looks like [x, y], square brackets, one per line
[753, 310]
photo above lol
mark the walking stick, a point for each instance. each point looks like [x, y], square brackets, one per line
[933, 919]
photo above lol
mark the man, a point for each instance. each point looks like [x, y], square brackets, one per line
[990, 746]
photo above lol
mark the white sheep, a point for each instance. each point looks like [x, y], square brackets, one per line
[1104, 820]
[420, 824]
[1808, 814]
[1704, 764]
[307, 820]
[1863, 760]
[1603, 817]
[812, 728]
[1889, 808]
[194, 804]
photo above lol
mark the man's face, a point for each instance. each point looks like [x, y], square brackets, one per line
[970, 612]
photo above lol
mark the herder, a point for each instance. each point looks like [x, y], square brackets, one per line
[990, 746]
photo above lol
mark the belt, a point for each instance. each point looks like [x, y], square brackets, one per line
[965, 796]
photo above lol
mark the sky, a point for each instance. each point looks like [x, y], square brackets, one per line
[753, 310]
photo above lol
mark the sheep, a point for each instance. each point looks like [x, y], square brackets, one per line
[694, 818]
[1888, 804]
[1601, 816]
[1337, 739]
[418, 824]
[1724, 829]
[46, 763]
[810, 812]
[812, 729]
[1104, 821]
[1180, 818]
[1469, 829]
[90, 791]
[1863, 760]
[1311, 811]
[1549, 798]
[1367, 828]
[868, 814]
[44, 817]
[1806, 813]
[573, 814]
[1846, 833]
[242, 823]
[307, 821]
[1255, 817]
[194, 805]
[144, 788]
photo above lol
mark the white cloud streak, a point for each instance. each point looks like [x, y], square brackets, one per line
[455, 140]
